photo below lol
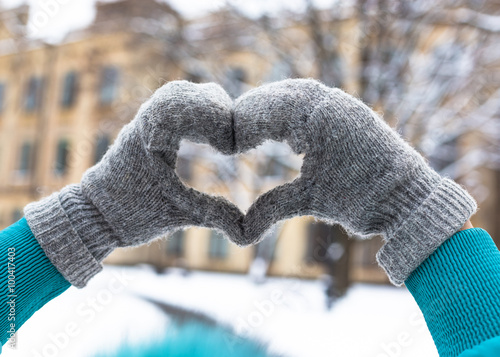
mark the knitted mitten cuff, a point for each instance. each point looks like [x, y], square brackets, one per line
[68, 242]
[37, 281]
[443, 212]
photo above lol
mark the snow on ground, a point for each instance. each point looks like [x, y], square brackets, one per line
[290, 315]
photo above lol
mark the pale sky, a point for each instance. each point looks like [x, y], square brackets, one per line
[52, 19]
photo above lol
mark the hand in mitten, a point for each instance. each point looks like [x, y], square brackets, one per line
[357, 171]
[133, 194]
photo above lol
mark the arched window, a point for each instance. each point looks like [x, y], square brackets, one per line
[33, 97]
[108, 85]
[25, 159]
[68, 96]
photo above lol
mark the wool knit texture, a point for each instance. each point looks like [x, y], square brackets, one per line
[133, 195]
[357, 172]
[458, 289]
[487, 348]
[35, 280]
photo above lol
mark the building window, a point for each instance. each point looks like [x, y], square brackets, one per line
[25, 159]
[69, 89]
[2, 97]
[108, 85]
[33, 97]
[17, 214]
[219, 245]
[61, 165]
[175, 244]
[101, 146]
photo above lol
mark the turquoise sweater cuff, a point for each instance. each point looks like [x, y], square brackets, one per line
[458, 290]
[28, 280]
[485, 349]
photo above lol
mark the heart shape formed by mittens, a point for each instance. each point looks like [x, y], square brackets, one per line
[279, 112]
[315, 121]
[349, 169]
[238, 178]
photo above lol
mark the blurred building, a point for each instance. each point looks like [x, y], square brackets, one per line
[62, 105]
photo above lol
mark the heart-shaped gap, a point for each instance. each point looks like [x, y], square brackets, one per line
[239, 178]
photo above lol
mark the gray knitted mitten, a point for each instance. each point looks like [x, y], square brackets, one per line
[357, 171]
[133, 194]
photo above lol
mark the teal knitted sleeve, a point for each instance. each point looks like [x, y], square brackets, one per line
[458, 290]
[28, 280]
[488, 348]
